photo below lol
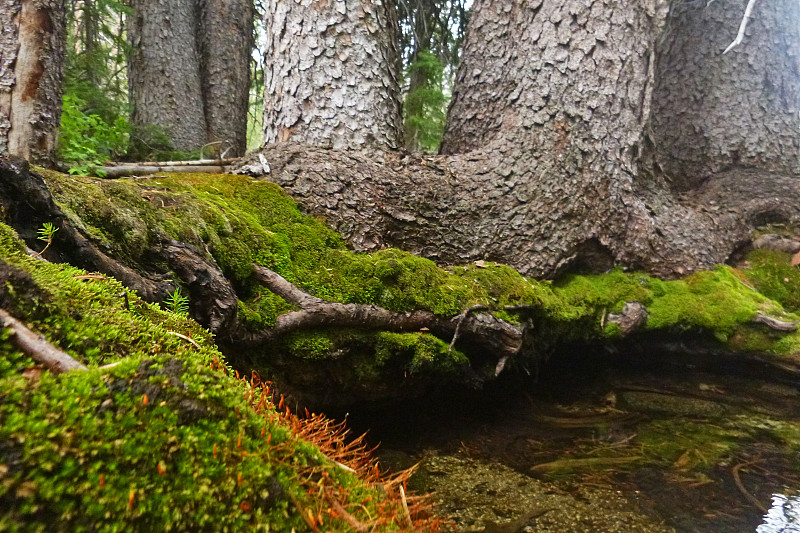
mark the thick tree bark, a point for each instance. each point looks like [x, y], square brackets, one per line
[713, 111]
[551, 106]
[330, 77]
[32, 34]
[164, 71]
[226, 41]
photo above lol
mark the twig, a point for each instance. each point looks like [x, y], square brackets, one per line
[184, 337]
[351, 520]
[37, 347]
[405, 506]
[742, 27]
[774, 323]
[739, 485]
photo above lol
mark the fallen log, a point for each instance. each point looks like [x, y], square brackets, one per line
[138, 170]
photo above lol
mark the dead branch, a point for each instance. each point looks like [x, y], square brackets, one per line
[774, 323]
[496, 335]
[137, 170]
[633, 317]
[37, 347]
[461, 318]
[742, 27]
[193, 163]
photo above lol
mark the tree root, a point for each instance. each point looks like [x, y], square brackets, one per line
[37, 348]
[495, 335]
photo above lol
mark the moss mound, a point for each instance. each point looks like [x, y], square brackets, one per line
[168, 439]
[241, 221]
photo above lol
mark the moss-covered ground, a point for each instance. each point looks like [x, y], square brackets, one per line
[167, 440]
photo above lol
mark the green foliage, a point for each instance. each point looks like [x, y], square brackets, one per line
[86, 141]
[425, 103]
[46, 232]
[177, 303]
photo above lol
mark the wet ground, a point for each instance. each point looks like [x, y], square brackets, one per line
[599, 448]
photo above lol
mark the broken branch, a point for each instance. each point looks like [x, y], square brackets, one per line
[774, 323]
[37, 347]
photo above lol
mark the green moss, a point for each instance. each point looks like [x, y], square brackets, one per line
[309, 345]
[426, 352]
[162, 441]
[242, 221]
[774, 276]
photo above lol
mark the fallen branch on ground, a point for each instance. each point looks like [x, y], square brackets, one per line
[37, 347]
[774, 323]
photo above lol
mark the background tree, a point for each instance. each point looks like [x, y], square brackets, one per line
[226, 42]
[164, 72]
[189, 71]
[431, 32]
[331, 74]
[31, 61]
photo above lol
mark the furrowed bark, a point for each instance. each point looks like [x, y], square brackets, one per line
[331, 74]
[164, 76]
[712, 111]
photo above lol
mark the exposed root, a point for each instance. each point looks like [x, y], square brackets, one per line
[739, 485]
[496, 335]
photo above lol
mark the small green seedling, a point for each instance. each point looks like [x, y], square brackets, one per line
[177, 303]
[46, 233]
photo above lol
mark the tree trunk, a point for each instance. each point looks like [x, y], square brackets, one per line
[226, 42]
[164, 71]
[713, 111]
[31, 61]
[330, 75]
[551, 105]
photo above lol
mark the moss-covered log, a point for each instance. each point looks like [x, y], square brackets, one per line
[285, 296]
[166, 439]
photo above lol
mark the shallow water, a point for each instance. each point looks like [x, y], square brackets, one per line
[783, 516]
[599, 448]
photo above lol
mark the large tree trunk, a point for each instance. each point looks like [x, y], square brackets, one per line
[226, 42]
[551, 105]
[32, 36]
[330, 77]
[164, 71]
[713, 111]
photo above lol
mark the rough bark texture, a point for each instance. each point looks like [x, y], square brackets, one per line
[714, 111]
[330, 76]
[32, 34]
[226, 41]
[164, 71]
[551, 105]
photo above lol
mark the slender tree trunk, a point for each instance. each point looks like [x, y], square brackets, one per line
[330, 74]
[164, 71]
[712, 111]
[226, 42]
[32, 34]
